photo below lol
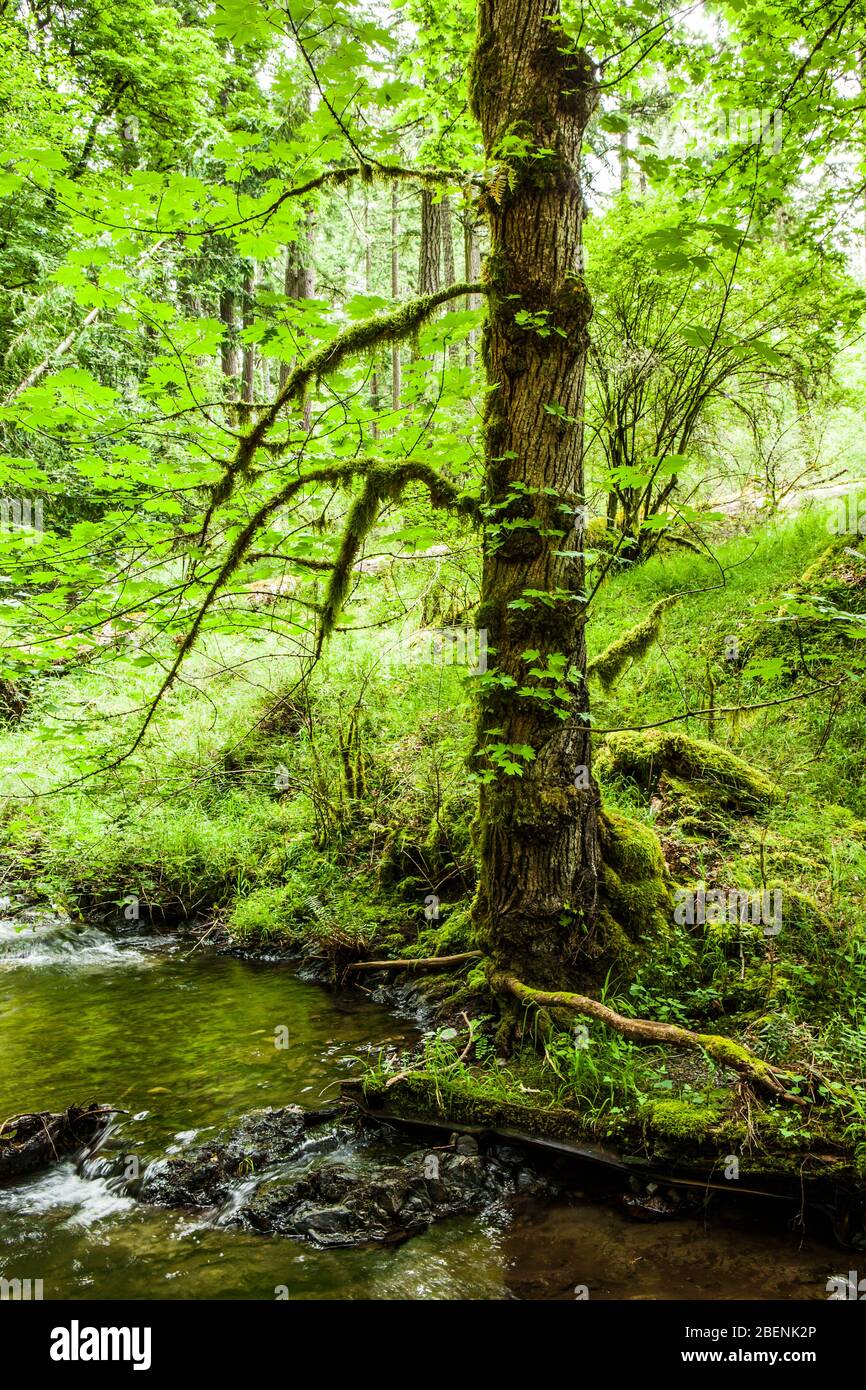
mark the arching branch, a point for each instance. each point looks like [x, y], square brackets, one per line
[388, 479]
[382, 482]
[393, 327]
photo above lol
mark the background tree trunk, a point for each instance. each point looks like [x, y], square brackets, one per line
[300, 283]
[538, 834]
[368, 285]
[430, 260]
[249, 360]
[471, 270]
[448, 259]
[396, 365]
[229, 348]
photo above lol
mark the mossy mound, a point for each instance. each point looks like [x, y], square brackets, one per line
[682, 1120]
[599, 537]
[645, 757]
[453, 934]
[827, 596]
[438, 853]
[635, 905]
[771, 963]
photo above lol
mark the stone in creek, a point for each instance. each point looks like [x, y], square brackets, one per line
[207, 1175]
[370, 1197]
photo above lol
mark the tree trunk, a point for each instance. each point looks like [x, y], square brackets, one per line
[430, 261]
[300, 283]
[471, 272]
[448, 259]
[249, 369]
[538, 833]
[396, 366]
[229, 348]
[368, 284]
[624, 174]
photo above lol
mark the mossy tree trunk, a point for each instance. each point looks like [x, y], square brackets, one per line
[533, 96]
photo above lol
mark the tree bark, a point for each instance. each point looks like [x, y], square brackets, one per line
[448, 259]
[368, 284]
[538, 833]
[249, 359]
[300, 283]
[472, 271]
[396, 365]
[229, 349]
[430, 260]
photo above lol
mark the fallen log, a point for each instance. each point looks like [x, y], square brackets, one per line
[34, 1141]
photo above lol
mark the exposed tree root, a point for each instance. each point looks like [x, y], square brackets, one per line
[421, 963]
[722, 1050]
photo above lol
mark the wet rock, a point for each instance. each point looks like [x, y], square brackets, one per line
[31, 1142]
[465, 1144]
[648, 1206]
[272, 1177]
[206, 1176]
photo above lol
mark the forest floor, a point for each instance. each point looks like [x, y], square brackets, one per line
[333, 821]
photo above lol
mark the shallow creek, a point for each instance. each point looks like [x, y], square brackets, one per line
[184, 1042]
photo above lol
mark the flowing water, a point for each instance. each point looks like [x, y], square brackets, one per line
[183, 1041]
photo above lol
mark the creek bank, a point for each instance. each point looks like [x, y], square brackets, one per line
[821, 1187]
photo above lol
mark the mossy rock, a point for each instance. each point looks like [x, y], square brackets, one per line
[645, 757]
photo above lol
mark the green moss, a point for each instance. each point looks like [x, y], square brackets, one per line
[629, 847]
[599, 536]
[632, 646]
[681, 1120]
[635, 905]
[441, 852]
[454, 934]
[645, 756]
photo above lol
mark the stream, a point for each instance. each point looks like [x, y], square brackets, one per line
[183, 1041]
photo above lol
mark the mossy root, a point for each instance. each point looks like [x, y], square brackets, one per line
[722, 1050]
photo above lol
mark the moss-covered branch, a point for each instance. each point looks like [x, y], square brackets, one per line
[333, 473]
[415, 962]
[382, 482]
[383, 329]
[633, 645]
[724, 1051]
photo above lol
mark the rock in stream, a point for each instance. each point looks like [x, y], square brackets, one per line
[331, 1179]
